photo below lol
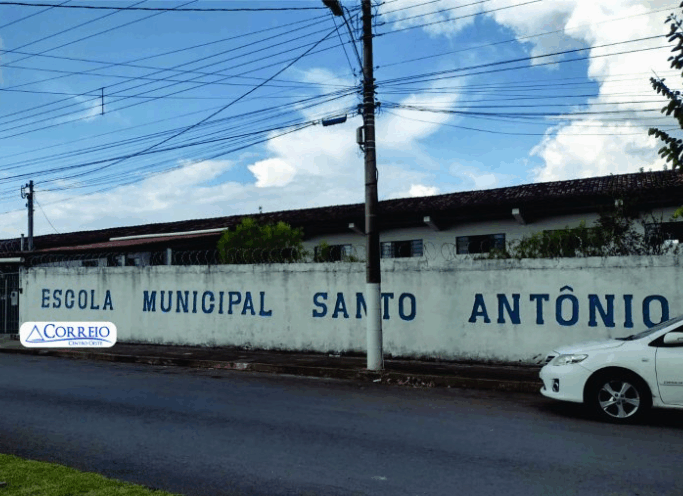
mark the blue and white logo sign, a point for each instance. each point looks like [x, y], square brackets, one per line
[67, 334]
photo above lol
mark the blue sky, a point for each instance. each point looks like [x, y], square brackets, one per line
[218, 113]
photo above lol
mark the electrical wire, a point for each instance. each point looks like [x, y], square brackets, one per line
[45, 215]
[213, 114]
[160, 9]
[30, 15]
[495, 131]
[521, 38]
[484, 12]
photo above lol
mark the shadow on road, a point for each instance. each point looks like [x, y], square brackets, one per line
[574, 411]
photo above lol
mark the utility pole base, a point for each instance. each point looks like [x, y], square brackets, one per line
[374, 327]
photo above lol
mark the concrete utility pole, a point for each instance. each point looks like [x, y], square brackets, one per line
[29, 204]
[375, 360]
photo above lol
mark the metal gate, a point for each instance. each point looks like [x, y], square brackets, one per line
[9, 303]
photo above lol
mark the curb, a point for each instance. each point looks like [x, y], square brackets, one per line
[383, 377]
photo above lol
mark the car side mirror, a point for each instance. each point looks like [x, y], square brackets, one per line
[673, 338]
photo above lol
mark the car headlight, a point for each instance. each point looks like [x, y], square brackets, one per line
[569, 359]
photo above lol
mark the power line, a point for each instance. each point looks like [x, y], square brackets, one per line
[45, 215]
[492, 131]
[434, 12]
[212, 115]
[428, 77]
[29, 16]
[521, 38]
[108, 30]
[177, 81]
[88, 116]
[198, 85]
[454, 18]
[156, 70]
[160, 9]
[411, 6]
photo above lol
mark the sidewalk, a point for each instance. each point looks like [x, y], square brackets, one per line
[416, 373]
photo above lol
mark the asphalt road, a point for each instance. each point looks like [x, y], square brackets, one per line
[208, 432]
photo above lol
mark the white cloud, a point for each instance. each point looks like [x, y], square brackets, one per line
[568, 151]
[474, 178]
[422, 190]
[272, 172]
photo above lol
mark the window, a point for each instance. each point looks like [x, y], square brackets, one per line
[664, 233]
[402, 249]
[332, 253]
[479, 244]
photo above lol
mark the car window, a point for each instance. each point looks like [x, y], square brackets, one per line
[652, 330]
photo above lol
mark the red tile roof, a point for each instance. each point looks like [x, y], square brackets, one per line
[650, 189]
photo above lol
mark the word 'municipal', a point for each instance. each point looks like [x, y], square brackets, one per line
[206, 302]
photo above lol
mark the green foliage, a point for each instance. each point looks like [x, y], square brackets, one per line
[616, 233]
[672, 151]
[252, 242]
[324, 252]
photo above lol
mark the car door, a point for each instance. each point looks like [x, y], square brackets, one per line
[669, 367]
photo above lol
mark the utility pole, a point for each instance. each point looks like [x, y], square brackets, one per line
[29, 204]
[373, 277]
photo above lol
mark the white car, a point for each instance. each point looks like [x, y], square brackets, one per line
[621, 378]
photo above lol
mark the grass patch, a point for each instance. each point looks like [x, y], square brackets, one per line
[31, 478]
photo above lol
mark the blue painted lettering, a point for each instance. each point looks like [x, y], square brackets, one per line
[318, 303]
[574, 309]
[82, 299]
[92, 301]
[194, 301]
[664, 304]
[234, 298]
[479, 309]
[607, 316]
[46, 299]
[340, 306]
[385, 304]
[360, 305]
[182, 301]
[248, 304]
[168, 307]
[69, 297]
[401, 307]
[208, 295]
[540, 298]
[220, 301]
[56, 296]
[628, 311]
[149, 301]
[45, 329]
[262, 308]
[504, 305]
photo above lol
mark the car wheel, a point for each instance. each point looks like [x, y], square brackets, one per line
[619, 397]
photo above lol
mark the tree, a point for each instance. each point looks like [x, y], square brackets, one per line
[615, 233]
[672, 151]
[252, 242]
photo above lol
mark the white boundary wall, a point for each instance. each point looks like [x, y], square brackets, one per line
[504, 310]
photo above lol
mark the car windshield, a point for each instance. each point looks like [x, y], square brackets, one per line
[652, 330]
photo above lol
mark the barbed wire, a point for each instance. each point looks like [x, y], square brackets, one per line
[427, 252]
